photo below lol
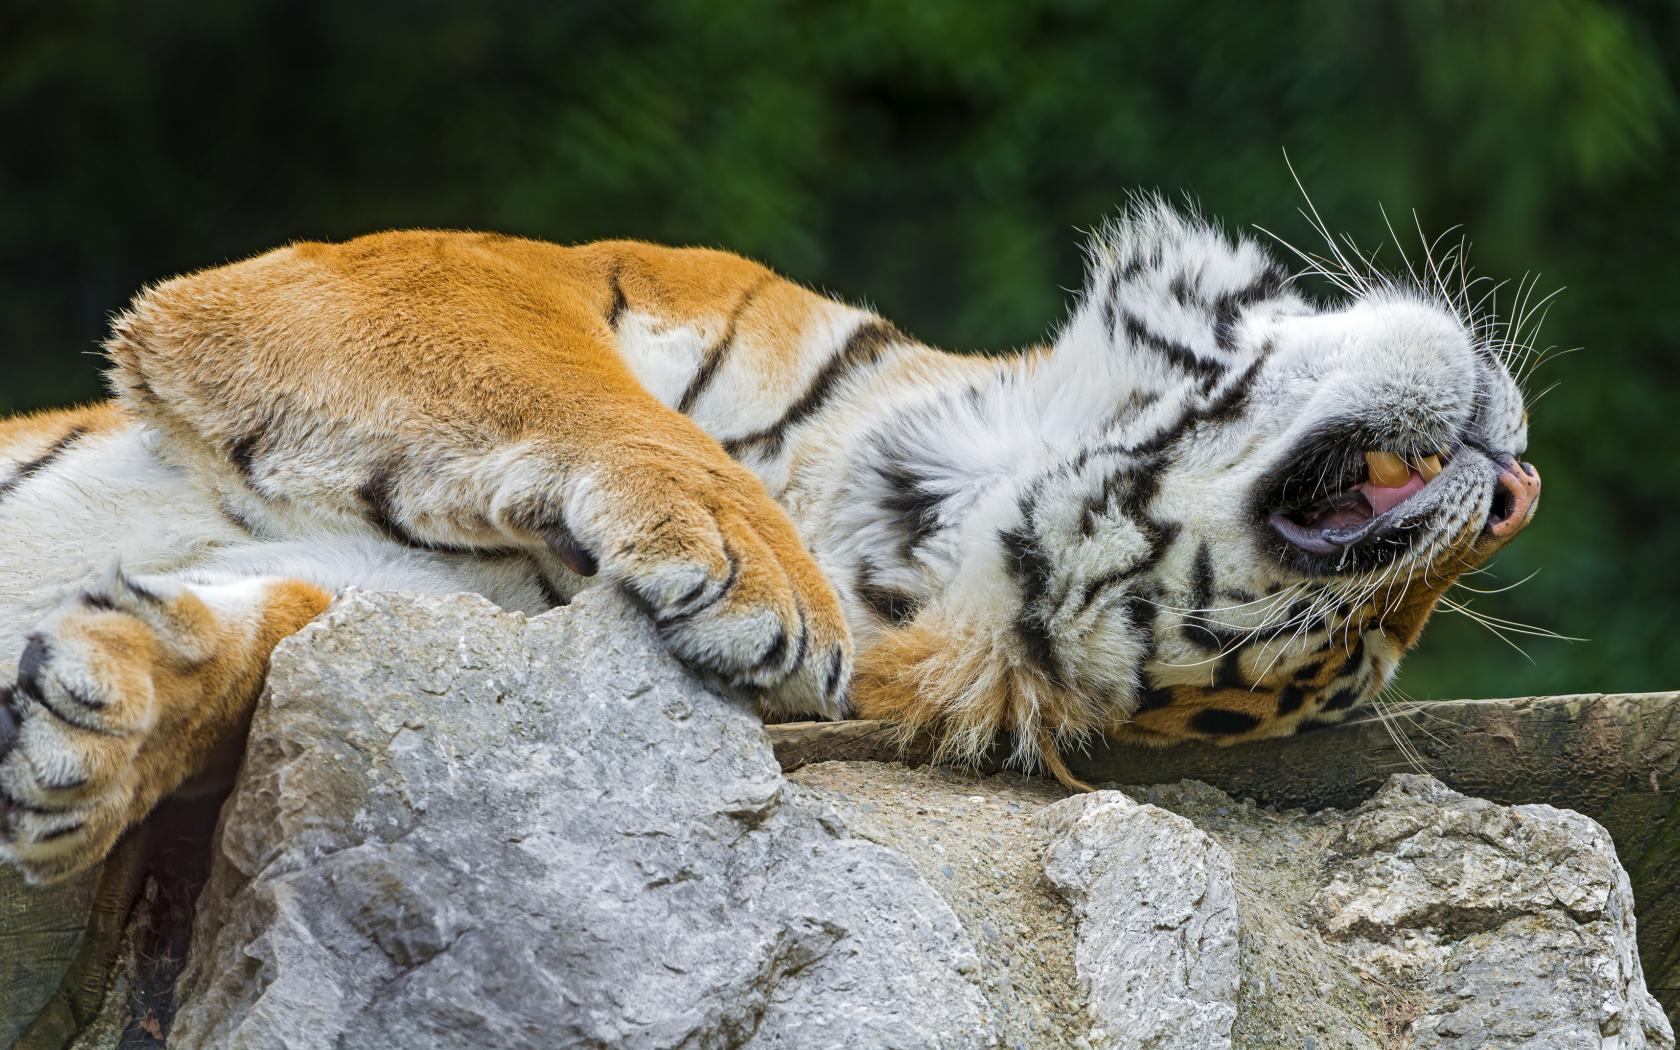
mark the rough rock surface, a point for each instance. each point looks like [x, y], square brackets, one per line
[1157, 910]
[1612, 756]
[1424, 918]
[1382, 927]
[1482, 907]
[457, 827]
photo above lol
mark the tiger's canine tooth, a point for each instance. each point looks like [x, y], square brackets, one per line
[1387, 469]
[1428, 466]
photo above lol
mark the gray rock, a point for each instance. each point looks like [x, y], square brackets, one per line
[1156, 949]
[1425, 918]
[457, 827]
[1515, 923]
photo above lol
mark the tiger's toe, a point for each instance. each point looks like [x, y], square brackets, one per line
[67, 788]
[736, 596]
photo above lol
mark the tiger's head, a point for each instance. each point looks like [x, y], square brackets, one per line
[1211, 509]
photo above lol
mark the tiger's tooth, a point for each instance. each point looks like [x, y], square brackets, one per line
[1429, 466]
[1387, 469]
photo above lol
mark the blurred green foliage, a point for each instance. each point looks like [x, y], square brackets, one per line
[937, 160]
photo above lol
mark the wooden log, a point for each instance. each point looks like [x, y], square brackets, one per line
[1614, 757]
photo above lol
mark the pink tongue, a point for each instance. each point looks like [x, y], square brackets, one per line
[1383, 498]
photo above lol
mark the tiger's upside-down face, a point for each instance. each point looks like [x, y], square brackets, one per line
[1211, 510]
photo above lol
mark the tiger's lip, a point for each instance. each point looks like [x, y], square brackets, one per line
[1332, 541]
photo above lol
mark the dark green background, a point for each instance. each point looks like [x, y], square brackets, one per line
[936, 160]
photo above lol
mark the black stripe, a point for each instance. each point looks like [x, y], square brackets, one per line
[1228, 308]
[144, 393]
[1291, 699]
[831, 678]
[718, 351]
[78, 722]
[680, 612]
[774, 652]
[1218, 721]
[1031, 569]
[802, 648]
[1343, 699]
[1100, 584]
[1231, 401]
[7, 802]
[1222, 409]
[1201, 580]
[41, 462]
[1308, 671]
[1175, 352]
[889, 604]
[236, 519]
[915, 508]
[378, 496]
[864, 347]
[8, 719]
[1111, 301]
[1141, 482]
[243, 455]
[37, 654]
[150, 597]
[58, 833]
[619, 304]
[1142, 610]
[1230, 673]
[1355, 659]
[1154, 698]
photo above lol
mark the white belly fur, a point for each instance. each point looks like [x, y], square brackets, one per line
[110, 497]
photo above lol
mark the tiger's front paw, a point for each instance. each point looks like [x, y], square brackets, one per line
[720, 569]
[124, 691]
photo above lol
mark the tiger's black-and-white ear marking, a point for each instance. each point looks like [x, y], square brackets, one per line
[1164, 304]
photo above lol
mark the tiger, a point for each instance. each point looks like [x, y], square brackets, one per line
[1210, 506]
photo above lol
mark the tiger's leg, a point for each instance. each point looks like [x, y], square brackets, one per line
[127, 690]
[454, 392]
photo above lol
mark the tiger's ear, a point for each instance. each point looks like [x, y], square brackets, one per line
[1165, 293]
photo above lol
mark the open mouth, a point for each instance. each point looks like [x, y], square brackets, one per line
[1365, 505]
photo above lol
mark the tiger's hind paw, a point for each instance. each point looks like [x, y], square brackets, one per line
[123, 692]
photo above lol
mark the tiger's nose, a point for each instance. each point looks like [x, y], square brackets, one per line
[1515, 499]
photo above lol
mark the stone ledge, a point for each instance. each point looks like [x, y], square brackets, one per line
[1613, 756]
